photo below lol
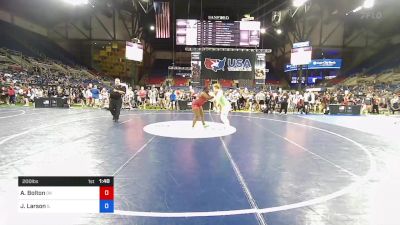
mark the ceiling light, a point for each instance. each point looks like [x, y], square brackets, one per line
[369, 4]
[357, 9]
[77, 2]
[263, 31]
[299, 3]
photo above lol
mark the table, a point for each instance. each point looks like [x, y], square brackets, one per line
[336, 109]
[51, 103]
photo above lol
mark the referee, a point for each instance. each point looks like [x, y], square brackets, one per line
[116, 99]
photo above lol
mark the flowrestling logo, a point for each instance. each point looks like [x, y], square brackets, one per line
[231, 64]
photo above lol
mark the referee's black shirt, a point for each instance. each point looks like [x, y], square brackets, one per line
[117, 95]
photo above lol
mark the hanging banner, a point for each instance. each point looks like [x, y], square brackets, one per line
[260, 70]
[196, 68]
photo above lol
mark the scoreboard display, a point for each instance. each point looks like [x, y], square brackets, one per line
[66, 194]
[134, 51]
[301, 56]
[217, 33]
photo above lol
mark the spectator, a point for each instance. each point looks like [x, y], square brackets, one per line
[375, 104]
[394, 104]
[3, 95]
[168, 99]
[142, 97]
[284, 102]
[11, 95]
[173, 99]
[260, 99]
[104, 98]
[88, 96]
[161, 98]
[95, 96]
[129, 98]
[153, 96]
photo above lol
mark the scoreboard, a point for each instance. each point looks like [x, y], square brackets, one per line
[301, 56]
[217, 33]
[66, 194]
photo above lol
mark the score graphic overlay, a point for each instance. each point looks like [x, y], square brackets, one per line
[66, 194]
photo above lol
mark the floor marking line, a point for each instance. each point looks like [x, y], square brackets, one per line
[23, 112]
[186, 214]
[76, 112]
[73, 113]
[133, 156]
[2, 141]
[5, 136]
[126, 121]
[8, 111]
[242, 181]
[9, 137]
[310, 152]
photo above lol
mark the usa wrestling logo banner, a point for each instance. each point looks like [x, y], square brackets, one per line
[227, 65]
[231, 65]
[215, 64]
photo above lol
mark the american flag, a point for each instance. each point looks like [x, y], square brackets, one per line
[161, 9]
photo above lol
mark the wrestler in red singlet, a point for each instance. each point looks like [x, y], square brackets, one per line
[197, 106]
[199, 102]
